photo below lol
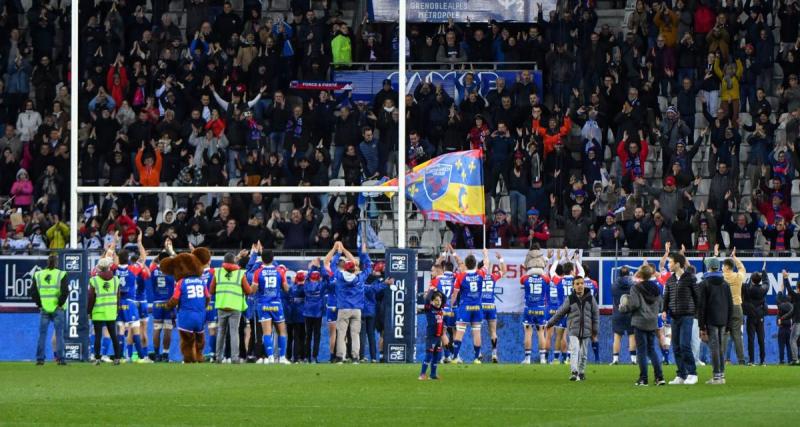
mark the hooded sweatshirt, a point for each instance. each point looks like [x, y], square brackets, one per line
[644, 304]
[716, 304]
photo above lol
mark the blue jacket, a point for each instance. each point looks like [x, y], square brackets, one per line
[296, 303]
[314, 304]
[19, 77]
[371, 290]
[349, 286]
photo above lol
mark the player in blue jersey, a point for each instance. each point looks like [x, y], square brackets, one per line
[314, 308]
[434, 331]
[144, 295]
[268, 282]
[191, 296]
[563, 282]
[211, 314]
[128, 315]
[163, 286]
[488, 306]
[468, 286]
[374, 285]
[536, 286]
[593, 288]
[330, 303]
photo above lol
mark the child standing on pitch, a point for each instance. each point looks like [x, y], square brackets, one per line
[582, 324]
[644, 303]
[433, 336]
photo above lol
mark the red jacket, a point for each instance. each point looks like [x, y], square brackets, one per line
[769, 212]
[625, 157]
[117, 91]
[704, 19]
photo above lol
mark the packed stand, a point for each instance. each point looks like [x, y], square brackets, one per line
[682, 127]
[34, 116]
[203, 98]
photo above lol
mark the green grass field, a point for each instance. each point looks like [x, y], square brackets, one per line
[385, 394]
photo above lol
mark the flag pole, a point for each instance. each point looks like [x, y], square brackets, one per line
[483, 183]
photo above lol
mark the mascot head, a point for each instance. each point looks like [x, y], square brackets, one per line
[187, 264]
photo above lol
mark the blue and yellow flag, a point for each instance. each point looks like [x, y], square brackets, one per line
[448, 187]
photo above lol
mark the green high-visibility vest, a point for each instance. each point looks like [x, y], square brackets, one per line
[229, 294]
[48, 281]
[105, 301]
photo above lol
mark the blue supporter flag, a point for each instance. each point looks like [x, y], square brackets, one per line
[448, 187]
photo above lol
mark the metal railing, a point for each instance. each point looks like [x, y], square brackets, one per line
[468, 66]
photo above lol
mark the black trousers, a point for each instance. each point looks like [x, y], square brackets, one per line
[784, 335]
[295, 345]
[368, 336]
[313, 332]
[755, 327]
[111, 327]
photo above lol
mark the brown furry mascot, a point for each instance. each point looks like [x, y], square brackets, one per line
[188, 266]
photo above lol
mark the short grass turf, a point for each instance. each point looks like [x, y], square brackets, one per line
[388, 395]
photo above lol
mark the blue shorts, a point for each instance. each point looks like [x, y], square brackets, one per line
[561, 323]
[128, 312]
[161, 312]
[142, 307]
[191, 321]
[449, 318]
[331, 314]
[271, 311]
[469, 314]
[211, 313]
[534, 316]
[489, 311]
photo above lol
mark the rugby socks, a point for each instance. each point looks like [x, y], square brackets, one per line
[494, 344]
[137, 341]
[615, 358]
[456, 348]
[665, 354]
[447, 351]
[542, 357]
[121, 340]
[527, 353]
[212, 344]
[269, 348]
[564, 356]
[596, 350]
[106, 343]
[282, 345]
[129, 350]
[633, 356]
[426, 362]
[434, 365]
[477, 351]
[556, 356]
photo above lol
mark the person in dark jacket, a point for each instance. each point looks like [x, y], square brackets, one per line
[621, 322]
[681, 298]
[644, 303]
[755, 308]
[794, 298]
[784, 320]
[715, 315]
[582, 322]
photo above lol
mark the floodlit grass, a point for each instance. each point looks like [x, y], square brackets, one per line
[387, 395]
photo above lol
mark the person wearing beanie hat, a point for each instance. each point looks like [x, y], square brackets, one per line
[535, 232]
[610, 236]
[715, 313]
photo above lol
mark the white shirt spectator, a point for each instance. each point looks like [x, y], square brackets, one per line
[27, 124]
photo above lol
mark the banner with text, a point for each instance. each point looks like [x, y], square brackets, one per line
[383, 10]
[452, 82]
[469, 10]
[400, 321]
[76, 331]
[365, 84]
[510, 297]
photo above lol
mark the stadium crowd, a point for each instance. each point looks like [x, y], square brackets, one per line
[34, 116]
[204, 97]
[682, 127]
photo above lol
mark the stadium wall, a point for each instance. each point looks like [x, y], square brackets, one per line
[22, 330]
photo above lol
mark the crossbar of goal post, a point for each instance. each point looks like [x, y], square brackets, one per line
[401, 226]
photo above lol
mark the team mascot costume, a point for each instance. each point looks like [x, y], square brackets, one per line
[191, 297]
